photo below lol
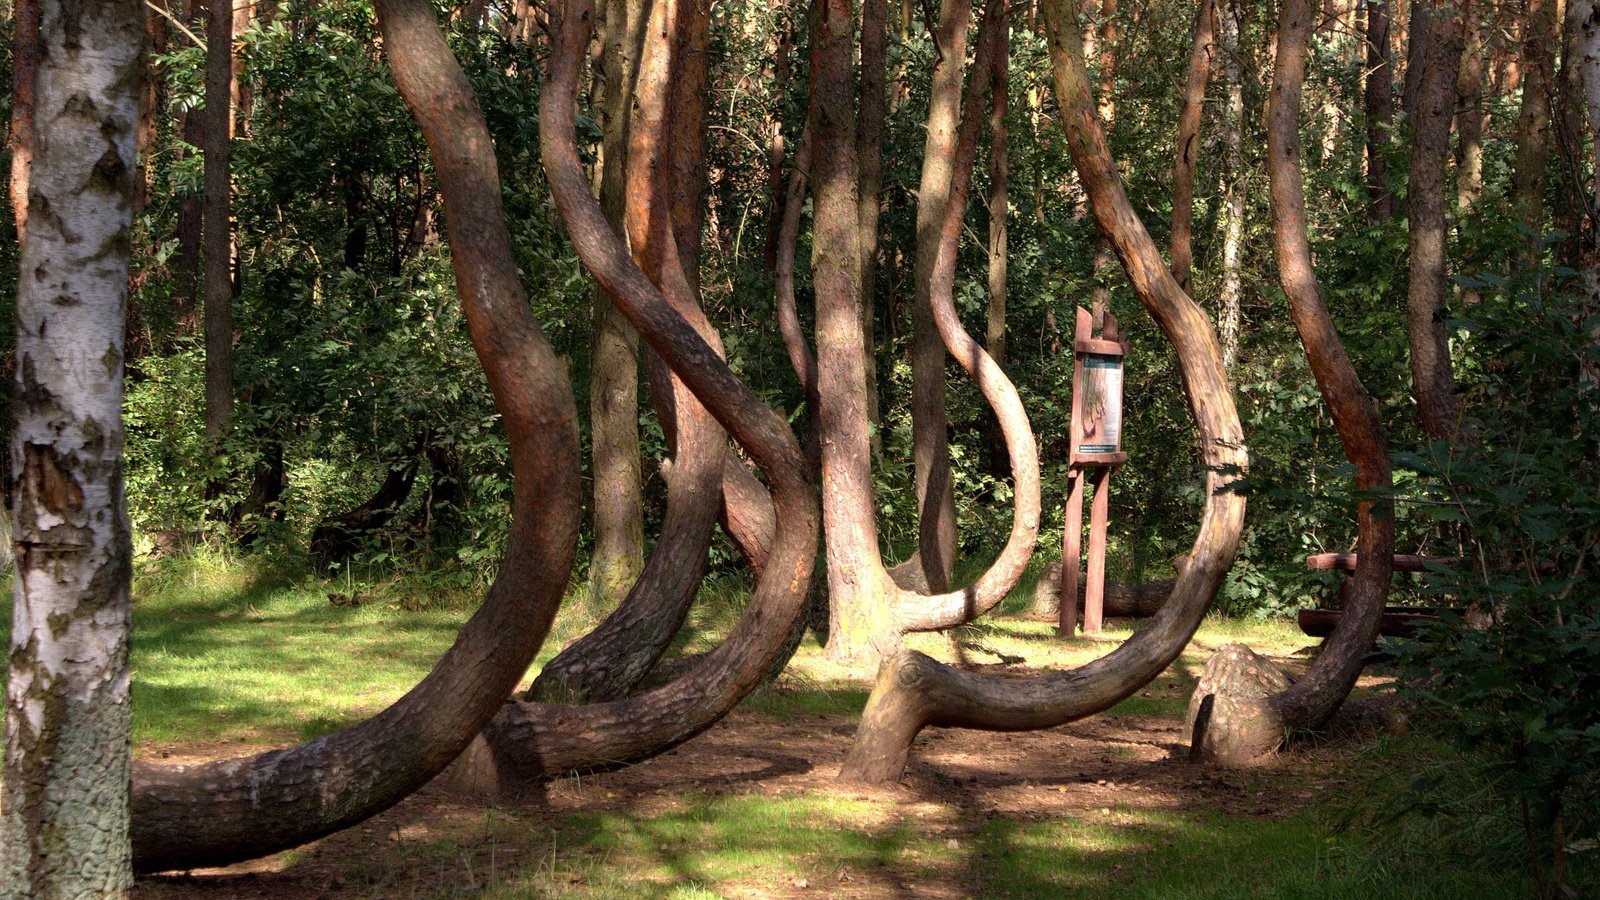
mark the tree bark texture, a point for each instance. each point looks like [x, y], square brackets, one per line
[914, 691]
[1472, 114]
[1588, 60]
[217, 229]
[1235, 185]
[1188, 150]
[998, 205]
[869, 156]
[1317, 696]
[618, 555]
[1378, 100]
[529, 740]
[229, 810]
[869, 613]
[1419, 32]
[930, 426]
[1433, 382]
[64, 825]
[665, 132]
[1533, 123]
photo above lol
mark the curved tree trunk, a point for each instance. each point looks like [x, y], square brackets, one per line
[1194, 96]
[610, 661]
[869, 611]
[914, 691]
[1255, 727]
[68, 723]
[1432, 380]
[530, 740]
[225, 811]
[930, 427]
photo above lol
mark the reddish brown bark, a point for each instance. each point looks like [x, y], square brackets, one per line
[930, 426]
[869, 157]
[914, 691]
[1257, 726]
[530, 740]
[869, 611]
[664, 147]
[1378, 100]
[217, 228]
[999, 237]
[1433, 383]
[220, 812]
[1188, 152]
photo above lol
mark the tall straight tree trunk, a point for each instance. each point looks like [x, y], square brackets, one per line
[1572, 207]
[1378, 99]
[186, 264]
[1235, 182]
[1588, 60]
[1432, 381]
[998, 204]
[1472, 115]
[618, 555]
[782, 45]
[68, 723]
[1188, 150]
[1420, 31]
[217, 230]
[149, 98]
[869, 156]
[1105, 48]
[936, 505]
[1533, 123]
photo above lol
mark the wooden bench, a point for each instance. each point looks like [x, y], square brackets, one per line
[1397, 621]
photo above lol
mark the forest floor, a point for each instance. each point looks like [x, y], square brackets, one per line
[1108, 806]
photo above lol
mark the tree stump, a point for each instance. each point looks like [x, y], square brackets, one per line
[1229, 719]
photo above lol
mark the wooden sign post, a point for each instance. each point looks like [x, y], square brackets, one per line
[1095, 449]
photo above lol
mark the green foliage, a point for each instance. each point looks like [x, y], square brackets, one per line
[1515, 688]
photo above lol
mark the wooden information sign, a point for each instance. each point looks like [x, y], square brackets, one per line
[1095, 449]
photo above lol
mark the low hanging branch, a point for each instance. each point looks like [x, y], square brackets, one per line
[914, 691]
[531, 740]
[1237, 729]
[226, 811]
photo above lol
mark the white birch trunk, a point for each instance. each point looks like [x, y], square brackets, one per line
[64, 826]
